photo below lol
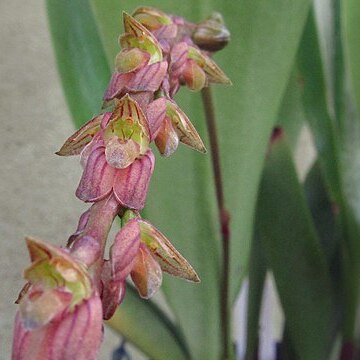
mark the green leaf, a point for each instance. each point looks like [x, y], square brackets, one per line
[315, 104]
[323, 211]
[257, 274]
[294, 254]
[338, 148]
[291, 116]
[350, 14]
[143, 324]
[83, 68]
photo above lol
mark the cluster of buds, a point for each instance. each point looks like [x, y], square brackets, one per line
[71, 290]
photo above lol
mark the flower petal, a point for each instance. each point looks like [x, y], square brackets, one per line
[178, 58]
[155, 114]
[124, 250]
[167, 139]
[86, 249]
[113, 292]
[117, 84]
[97, 178]
[170, 260]
[121, 154]
[75, 335]
[37, 308]
[131, 184]
[148, 78]
[128, 60]
[146, 273]
[194, 76]
[76, 142]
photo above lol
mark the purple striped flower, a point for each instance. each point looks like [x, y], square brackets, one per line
[116, 155]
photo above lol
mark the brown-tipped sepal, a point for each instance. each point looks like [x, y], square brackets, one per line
[138, 36]
[169, 259]
[76, 142]
[212, 70]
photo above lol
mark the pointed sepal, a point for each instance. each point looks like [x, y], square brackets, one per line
[211, 69]
[170, 260]
[184, 128]
[76, 142]
[138, 36]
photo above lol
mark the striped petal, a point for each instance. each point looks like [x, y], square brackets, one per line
[167, 139]
[113, 292]
[97, 178]
[146, 273]
[155, 113]
[131, 184]
[148, 78]
[116, 86]
[73, 335]
[124, 250]
[170, 260]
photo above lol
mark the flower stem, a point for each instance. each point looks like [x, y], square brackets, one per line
[224, 218]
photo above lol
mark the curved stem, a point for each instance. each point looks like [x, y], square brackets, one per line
[224, 219]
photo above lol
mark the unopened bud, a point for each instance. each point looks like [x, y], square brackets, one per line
[211, 34]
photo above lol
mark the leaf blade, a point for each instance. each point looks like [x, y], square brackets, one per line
[290, 241]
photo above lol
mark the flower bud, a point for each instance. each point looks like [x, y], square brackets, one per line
[211, 34]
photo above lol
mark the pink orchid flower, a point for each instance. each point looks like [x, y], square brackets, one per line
[60, 313]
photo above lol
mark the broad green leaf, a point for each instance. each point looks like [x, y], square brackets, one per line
[143, 324]
[338, 148]
[350, 15]
[257, 274]
[83, 69]
[294, 254]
